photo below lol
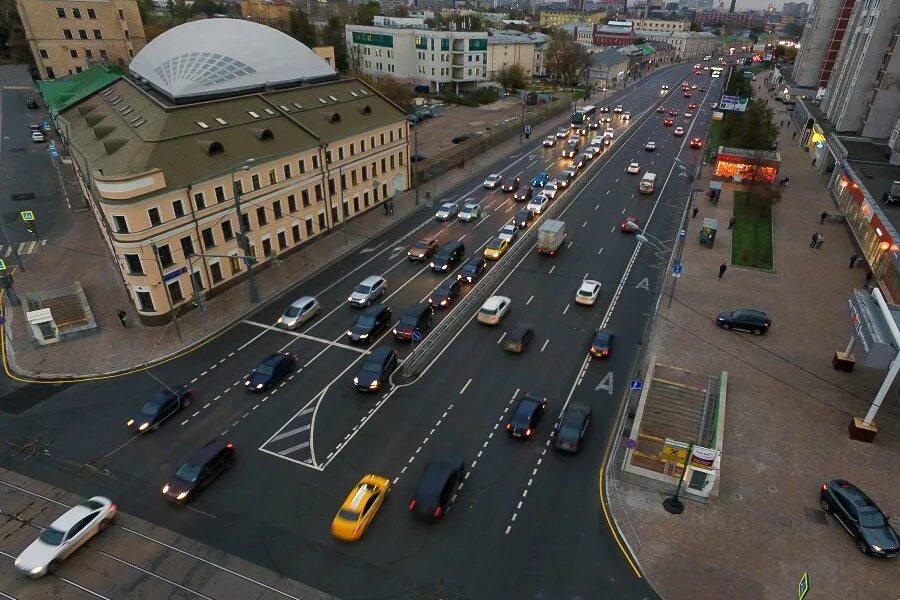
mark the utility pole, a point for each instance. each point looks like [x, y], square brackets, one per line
[162, 279]
[198, 293]
[415, 168]
[522, 128]
[244, 241]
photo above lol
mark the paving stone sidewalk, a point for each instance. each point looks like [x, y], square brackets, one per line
[785, 422]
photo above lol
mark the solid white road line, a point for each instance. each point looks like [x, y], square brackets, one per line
[464, 387]
[306, 337]
[290, 433]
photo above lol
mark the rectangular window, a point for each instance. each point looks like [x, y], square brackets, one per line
[127, 35]
[334, 214]
[309, 227]
[60, 12]
[287, 171]
[254, 180]
[366, 199]
[322, 223]
[353, 180]
[92, 14]
[73, 53]
[187, 246]
[327, 156]
[282, 240]
[133, 263]
[267, 247]
[371, 142]
[44, 54]
[177, 208]
[261, 215]
[238, 187]
[315, 161]
[272, 178]
[76, 13]
[340, 153]
[365, 173]
[88, 53]
[120, 225]
[155, 219]
[165, 255]
[145, 301]
[215, 270]
[235, 263]
[199, 201]
[295, 233]
[227, 231]
[392, 135]
[121, 15]
[175, 292]
[331, 189]
[392, 161]
[319, 196]
[383, 165]
[67, 33]
[304, 196]
[346, 206]
[382, 139]
[220, 194]
[209, 240]
[82, 33]
[276, 209]
[344, 181]
[245, 219]
[292, 203]
[301, 164]
[103, 53]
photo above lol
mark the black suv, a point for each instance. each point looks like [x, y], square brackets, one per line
[472, 270]
[439, 480]
[526, 416]
[374, 371]
[519, 337]
[270, 371]
[572, 427]
[511, 185]
[199, 470]
[160, 407]
[861, 518]
[449, 254]
[755, 321]
[445, 294]
[417, 317]
[524, 195]
[370, 323]
[523, 218]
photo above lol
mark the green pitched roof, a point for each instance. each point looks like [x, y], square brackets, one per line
[59, 94]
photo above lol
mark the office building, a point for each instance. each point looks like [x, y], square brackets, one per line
[67, 36]
[614, 34]
[580, 32]
[687, 45]
[511, 47]
[798, 10]
[558, 17]
[821, 41]
[211, 139]
[406, 49]
[661, 25]
[745, 19]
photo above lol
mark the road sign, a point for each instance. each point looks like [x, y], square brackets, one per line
[26, 215]
[803, 586]
[636, 384]
[2, 265]
[174, 274]
[54, 154]
[631, 444]
[682, 232]
[676, 269]
[416, 335]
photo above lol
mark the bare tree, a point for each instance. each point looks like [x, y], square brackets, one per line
[566, 61]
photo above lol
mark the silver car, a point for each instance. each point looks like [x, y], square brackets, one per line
[447, 211]
[369, 289]
[299, 312]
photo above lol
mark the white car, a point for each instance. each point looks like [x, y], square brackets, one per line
[619, 108]
[508, 233]
[561, 133]
[634, 168]
[299, 312]
[493, 310]
[492, 181]
[538, 204]
[679, 131]
[588, 292]
[590, 152]
[597, 142]
[609, 133]
[694, 87]
[367, 291]
[626, 116]
[65, 535]
[650, 146]
[714, 105]
[688, 115]
[447, 211]
[550, 189]
[37, 137]
[549, 141]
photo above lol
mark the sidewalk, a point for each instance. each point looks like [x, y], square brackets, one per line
[786, 417]
[80, 255]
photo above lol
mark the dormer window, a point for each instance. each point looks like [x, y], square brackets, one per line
[322, 100]
[284, 108]
[297, 105]
[269, 111]
[333, 98]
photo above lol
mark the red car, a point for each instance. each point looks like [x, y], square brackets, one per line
[692, 106]
[696, 143]
[668, 122]
[630, 225]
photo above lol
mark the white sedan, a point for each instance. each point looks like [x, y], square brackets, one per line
[550, 190]
[634, 168]
[509, 232]
[590, 152]
[65, 535]
[688, 115]
[492, 181]
[650, 146]
[493, 310]
[537, 204]
[679, 131]
[549, 141]
[588, 292]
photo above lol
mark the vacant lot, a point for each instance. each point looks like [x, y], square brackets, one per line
[435, 133]
[751, 244]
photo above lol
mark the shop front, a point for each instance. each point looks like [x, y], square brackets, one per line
[738, 165]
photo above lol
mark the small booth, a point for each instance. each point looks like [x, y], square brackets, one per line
[740, 164]
[708, 232]
[714, 191]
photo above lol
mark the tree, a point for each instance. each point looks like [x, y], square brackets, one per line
[794, 29]
[696, 26]
[333, 35]
[566, 62]
[301, 29]
[401, 11]
[512, 77]
[396, 90]
[364, 13]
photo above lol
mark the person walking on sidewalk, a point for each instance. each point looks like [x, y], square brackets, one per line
[123, 318]
[722, 268]
[812, 240]
[820, 239]
[731, 222]
[694, 212]
[853, 258]
[822, 217]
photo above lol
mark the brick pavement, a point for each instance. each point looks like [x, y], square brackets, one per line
[786, 417]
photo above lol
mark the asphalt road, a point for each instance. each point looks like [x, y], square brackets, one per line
[528, 521]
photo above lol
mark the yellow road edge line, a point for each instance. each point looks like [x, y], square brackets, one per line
[615, 533]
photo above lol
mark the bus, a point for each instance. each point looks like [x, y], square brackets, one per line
[586, 115]
[715, 71]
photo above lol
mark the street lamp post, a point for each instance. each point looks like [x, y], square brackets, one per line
[243, 240]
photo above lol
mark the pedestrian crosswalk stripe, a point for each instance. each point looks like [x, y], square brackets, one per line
[22, 248]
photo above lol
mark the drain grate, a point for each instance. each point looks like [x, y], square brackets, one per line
[21, 197]
[815, 516]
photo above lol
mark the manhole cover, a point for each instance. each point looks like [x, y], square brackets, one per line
[16, 150]
[21, 197]
[785, 522]
[815, 516]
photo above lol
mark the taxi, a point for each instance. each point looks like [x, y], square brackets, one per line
[360, 508]
[496, 248]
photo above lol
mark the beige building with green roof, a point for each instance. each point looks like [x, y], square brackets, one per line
[203, 121]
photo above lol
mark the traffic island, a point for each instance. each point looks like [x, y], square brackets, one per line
[862, 431]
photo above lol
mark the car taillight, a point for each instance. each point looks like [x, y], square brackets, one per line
[605, 352]
[528, 432]
[229, 445]
[412, 504]
[437, 511]
[824, 486]
[509, 425]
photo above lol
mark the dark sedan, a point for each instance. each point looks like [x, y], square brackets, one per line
[440, 480]
[159, 408]
[511, 185]
[572, 427]
[201, 469]
[472, 270]
[524, 195]
[755, 321]
[373, 321]
[445, 294]
[270, 371]
[523, 218]
[526, 416]
[375, 370]
[601, 344]
[861, 517]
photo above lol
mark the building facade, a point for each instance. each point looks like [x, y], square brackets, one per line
[508, 48]
[863, 95]
[614, 34]
[686, 45]
[581, 32]
[558, 18]
[326, 53]
[661, 25]
[798, 10]
[821, 41]
[716, 18]
[442, 60]
[66, 37]
[275, 13]
[194, 180]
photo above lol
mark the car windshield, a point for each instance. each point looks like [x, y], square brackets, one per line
[365, 321]
[586, 292]
[444, 289]
[568, 432]
[371, 366]
[447, 207]
[362, 289]
[495, 244]
[188, 472]
[52, 536]
[292, 311]
[520, 418]
[871, 518]
[488, 311]
[421, 245]
[266, 368]
[348, 515]
[152, 407]
[470, 268]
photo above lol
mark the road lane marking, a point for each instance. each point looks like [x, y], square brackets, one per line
[566, 309]
[305, 336]
[287, 434]
[503, 335]
[529, 300]
[544, 347]
[463, 390]
[553, 268]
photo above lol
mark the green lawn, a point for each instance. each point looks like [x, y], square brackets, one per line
[751, 242]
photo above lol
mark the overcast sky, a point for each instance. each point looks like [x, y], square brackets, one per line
[755, 4]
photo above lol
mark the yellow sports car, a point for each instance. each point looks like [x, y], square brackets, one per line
[496, 248]
[360, 508]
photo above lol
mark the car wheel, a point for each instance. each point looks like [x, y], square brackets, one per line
[726, 326]
[862, 546]
[52, 567]
[826, 508]
[368, 302]
[756, 332]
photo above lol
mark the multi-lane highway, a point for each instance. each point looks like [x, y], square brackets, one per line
[528, 521]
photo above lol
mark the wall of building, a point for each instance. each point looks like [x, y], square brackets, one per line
[661, 25]
[501, 56]
[558, 18]
[815, 42]
[271, 12]
[66, 36]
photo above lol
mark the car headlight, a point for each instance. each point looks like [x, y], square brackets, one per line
[144, 426]
[355, 380]
[182, 496]
[37, 570]
[363, 336]
[350, 299]
[247, 382]
[374, 385]
[443, 302]
[130, 422]
[259, 386]
[349, 332]
[165, 489]
[876, 548]
[409, 253]
[432, 265]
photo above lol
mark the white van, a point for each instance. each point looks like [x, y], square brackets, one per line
[647, 184]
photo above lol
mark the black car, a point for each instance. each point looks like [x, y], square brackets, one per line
[31, 103]
[445, 294]
[199, 470]
[417, 317]
[524, 195]
[270, 371]
[370, 323]
[160, 407]
[523, 218]
[519, 337]
[374, 371]
[861, 517]
[601, 344]
[511, 185]
[440, 480]
[526, 416]
[755, 321]
[572, 427]
[472, 270]
[579, 161]
[448, 255]
[461, 138]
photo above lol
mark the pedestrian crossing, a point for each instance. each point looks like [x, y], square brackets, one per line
[22, 248]
[19, 87]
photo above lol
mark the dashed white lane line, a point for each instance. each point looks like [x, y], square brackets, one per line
[583, 225]
[570, 244]
[529, 300]
[462, 391]
[613, 229]
[566, 309]
[553, 268]
[601, 251]
[544, 347]
[423, 444]
[503, 335]
[596, 206]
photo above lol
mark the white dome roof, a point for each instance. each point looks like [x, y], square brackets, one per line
[221, 56]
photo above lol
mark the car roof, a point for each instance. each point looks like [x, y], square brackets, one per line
[380, 353]
[494, 301]
[302, 301]
[207, 451]
[417, 309]
[360, 493]
[520, 328]
[372, 280]
[590, 282]
[446, 284]
[274, 358]
[603, 334]
[577, 409]
[751, 311]
[375, 309]
[75, 514]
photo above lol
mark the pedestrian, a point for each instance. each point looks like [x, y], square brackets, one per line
[722, 268]
[794, 136]
[820, 239]
[782, 123]
[731, 222]
[812, 240]
[391, 206]
[853, 258]
[822, 217]
[694, 212]
[123, 318]
[787, 180]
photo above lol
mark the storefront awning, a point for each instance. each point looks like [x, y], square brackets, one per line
[874, 345]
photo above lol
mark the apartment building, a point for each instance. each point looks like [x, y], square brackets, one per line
[406, 49]
[67, 36]
[614, 34]
[510, 47]
[550, 17]
[199, 173]
[716, 18]
[661, 25]
[687, 45]
[581, 32]
[821, 41]
[798, 10]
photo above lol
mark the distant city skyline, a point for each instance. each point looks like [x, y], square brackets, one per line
[758, 4]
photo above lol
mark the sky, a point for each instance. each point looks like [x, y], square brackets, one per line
[757, 4]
